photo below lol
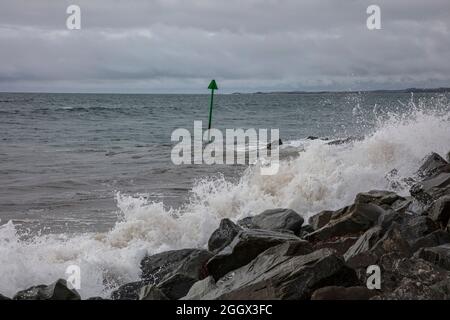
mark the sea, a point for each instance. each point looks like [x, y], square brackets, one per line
[88, 180]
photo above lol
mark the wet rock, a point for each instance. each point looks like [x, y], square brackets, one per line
[151, 292]
[439, 255]
[340, 245]
[415, 279]
[55, 291]
[128, 291]
[430, 165]
[349, 221]
[200, 289]
[431, 188]
[381, 198]
[275, 220]
[275, 275]
[172, 272]
[96, 298]
[161, 266]
[2, 297]
[320, 219]
[304, 230]
[222, 236]
[343, 293]
[344, 141]
[244, 248]
[436, 238]
[440, 211]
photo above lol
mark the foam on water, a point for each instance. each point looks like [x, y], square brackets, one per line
[320, 177]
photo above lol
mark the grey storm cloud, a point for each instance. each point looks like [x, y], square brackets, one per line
[248, 45]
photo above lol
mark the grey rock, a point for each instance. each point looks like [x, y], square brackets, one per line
[432, 188]
[128, 291]
[415, 279]
[340, 245]
[177, 286]
[161, 266]
[439, 255]
[55, 291]
[275, 220]
[275, 275]
[244, 248]
[320, 219]
[353, 220]
[151, 292]
[431, 164]
[343, 293]
[2, 297]
[200, 289]
[384, 199]
[440, 211]
[222, 236]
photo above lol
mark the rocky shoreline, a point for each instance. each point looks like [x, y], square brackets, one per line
[275, 255]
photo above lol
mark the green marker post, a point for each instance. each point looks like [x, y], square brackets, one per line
[212, 86]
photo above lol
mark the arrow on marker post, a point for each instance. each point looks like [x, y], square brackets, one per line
[212, 86]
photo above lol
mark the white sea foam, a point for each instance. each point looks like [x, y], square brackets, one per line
[320, 177]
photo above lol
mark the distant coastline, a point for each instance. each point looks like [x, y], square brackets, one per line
[407, 90]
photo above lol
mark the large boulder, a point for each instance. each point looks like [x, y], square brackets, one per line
[2, 297]
[431, 188]
[159, 267]
[349, 221]
[440, 211]
[413, 279]
[245, 247]
[343, 293]
[320, 219]
[172, 272]
[223, 235]
[439, 255]
[275, 220]
[55, 291]
[382, 198]
[128, 291]
[276, 274]
[431, 164]
[151, 292]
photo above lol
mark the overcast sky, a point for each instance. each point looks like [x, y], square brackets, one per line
[156, 46]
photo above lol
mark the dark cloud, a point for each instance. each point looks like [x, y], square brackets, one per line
[178, 45]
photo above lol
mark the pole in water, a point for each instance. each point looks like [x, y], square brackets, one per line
[212, 86]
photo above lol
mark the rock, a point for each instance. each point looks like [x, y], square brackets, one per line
[200, 289]
[177, 286]
[244, 248]
[349, 221]
[440, 211]
[151, 292]
[448, 156]
[222, 236]
[55, 291]
[439, 255]
[161, 266]
[275, 275]
[342, 293]
[170, 271]
[381, 198]
[436, 238]
[340, 245]
[96, 298]
[304, 230]
[431, 188]
[413, 279]
[312, 138]
[2, 297]
[128, 291]
[275, 220]
[320, 219]
[431, 164]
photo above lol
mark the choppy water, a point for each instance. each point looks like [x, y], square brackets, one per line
[91, 176]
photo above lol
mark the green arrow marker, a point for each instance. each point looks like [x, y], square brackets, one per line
[212, 86]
